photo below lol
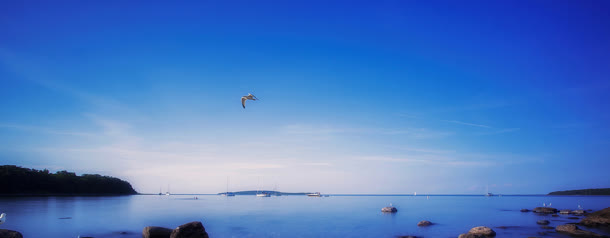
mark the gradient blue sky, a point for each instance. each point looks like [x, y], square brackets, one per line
[356, 97]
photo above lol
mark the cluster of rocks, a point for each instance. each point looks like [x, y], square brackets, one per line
[595, 219]
[189, 230]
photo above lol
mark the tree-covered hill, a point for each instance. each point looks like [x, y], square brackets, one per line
[592, 191]
[16, 180]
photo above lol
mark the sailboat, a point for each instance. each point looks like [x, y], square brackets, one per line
[167, 193]
[488, 194]
[228, 194]
[262, 194]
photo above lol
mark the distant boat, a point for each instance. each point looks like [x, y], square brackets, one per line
[228, 194]
[167, 193]
[488, 194]
[160, 193]
[414, 193]
[317, 194]
[263, 194]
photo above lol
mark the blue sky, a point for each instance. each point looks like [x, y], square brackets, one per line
[356, 97]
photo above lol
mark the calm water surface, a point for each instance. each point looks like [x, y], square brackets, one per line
[285, 216]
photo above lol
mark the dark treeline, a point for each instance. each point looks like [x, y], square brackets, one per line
[592, 191]
[24, 181]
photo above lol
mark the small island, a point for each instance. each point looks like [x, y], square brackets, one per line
[591, 191]
[18, 181]
[254, 192]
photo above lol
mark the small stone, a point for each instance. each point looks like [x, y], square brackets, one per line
[543, 222]
[547, 227]
[389, 209]
[424, 223]
[10, 234]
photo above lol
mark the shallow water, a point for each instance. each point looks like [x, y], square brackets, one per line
[285, 216]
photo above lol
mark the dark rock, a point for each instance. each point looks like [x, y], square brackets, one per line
[156, 232]
[573, 230]
[508, 227]
[545, 210]
[598, 218]
[10, 234]
[479, 232]
[525, 210]
[575, 218]
[65, 218]
[190, 230]
[543, 222]
[408, 236]
[389, 209]
[547, 227]
[424, 223]
[555, 215]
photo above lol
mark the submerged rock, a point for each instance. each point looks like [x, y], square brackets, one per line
[407, 236]
[525, 210]
[579, 212]
[547, 227]
[190, 230]
[543, 222]
[479, 232]
[10, 234]
[555, 215]
[598, 218]
[389, 209]
[573, 230]
[424, 223]
[545, 210]
[156, 232]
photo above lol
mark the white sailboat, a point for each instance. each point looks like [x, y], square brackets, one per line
[262, 193]
[228, 194]
[167, 193]
[488, 194]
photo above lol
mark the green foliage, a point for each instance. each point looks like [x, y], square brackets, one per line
[593, 191]
[17, 180]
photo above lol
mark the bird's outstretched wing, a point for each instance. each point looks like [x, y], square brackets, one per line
[243, 101]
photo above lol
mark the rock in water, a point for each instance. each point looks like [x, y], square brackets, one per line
[598, 218]
[156, 232]
[190, 230]
[389, 209]
[565, 211]
[545, 210]
[525, 210]
[424, 223]
[573, 230]
[479, 232]
[579, 212]
[543, 222]
[10, 234]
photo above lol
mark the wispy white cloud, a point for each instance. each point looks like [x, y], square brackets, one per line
[308, 129]
[467, 124]
[45, 130]
[500, 131]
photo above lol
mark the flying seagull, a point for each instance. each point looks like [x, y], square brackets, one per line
[249, 97]
[2, 218]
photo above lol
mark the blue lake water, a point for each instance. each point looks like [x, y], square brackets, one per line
[285, 216]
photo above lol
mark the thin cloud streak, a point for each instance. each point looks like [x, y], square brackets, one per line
[45, 130]
[466, 123]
